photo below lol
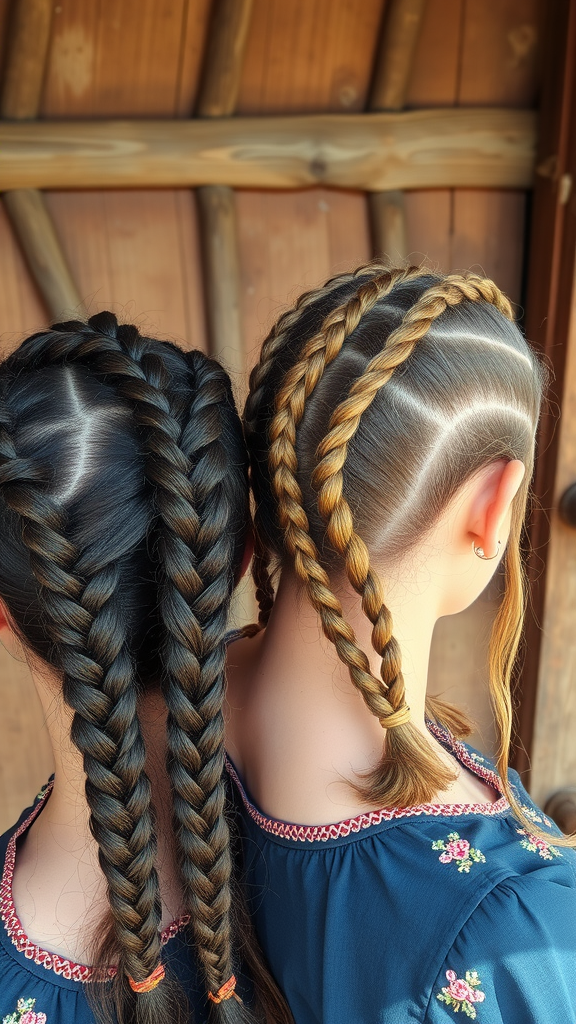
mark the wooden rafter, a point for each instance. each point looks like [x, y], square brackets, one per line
[37, 236]
[26, 59]
[389, 90]
[449, 148]
[28, 213]
[396, 53]
[223, 60]
[224, 56]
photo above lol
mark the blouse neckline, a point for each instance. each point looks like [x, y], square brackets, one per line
[342, 829]
[52, 961]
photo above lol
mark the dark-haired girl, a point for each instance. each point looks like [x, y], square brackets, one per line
[123, 513]
[396, 874]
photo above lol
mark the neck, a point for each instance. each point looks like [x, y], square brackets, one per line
[59, 889]
[307, 721]
[414, 616]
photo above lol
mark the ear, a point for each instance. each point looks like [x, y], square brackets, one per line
[490, 512]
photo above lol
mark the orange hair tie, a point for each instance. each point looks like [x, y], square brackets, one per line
[150, 982]
[226, 991]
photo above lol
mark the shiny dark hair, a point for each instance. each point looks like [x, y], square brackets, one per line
[123, 515]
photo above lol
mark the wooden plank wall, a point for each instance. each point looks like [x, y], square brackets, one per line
[137, 252]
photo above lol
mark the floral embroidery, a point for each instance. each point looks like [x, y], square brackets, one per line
[532, 815]
[458, 850]
[539, 846]
[477, 757]
[24, 1014]
[461, 994]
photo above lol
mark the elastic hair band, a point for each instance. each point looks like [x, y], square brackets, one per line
[150, 982]
[399, 717]
[226, 991]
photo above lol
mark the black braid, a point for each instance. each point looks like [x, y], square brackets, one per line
[81, 613]
[195, 478]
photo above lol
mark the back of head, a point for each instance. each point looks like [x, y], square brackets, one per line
[123, 514]
[374, 401]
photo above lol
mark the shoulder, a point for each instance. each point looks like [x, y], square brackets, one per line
[513, 961]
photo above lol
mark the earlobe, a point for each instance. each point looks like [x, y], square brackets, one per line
[494, 503]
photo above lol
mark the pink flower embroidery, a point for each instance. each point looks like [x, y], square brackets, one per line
[25, 1014]
[462, 993]
[458, 850]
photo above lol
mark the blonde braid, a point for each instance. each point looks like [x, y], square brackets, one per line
[300, 381]
[327, 479]
[273, 344]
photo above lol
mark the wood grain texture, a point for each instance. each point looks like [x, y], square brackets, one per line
[290, 242]
[136, 253]
[436, 64]
[469, 229]
[499, 57]
[429, 227]
[33, 225]
[123, 58]
[309, 55]
[479, 148]
[395, 57]
[25, 62]
[388, 224]
[224, 57]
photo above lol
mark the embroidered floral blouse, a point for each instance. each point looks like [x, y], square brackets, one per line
[416, 914]
[39, 987]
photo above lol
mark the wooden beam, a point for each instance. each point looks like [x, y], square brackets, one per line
[221, 265]
[452, 148]
[35, 231]
[389, 91]
[394, 62]
[227, 35]
[26, 59]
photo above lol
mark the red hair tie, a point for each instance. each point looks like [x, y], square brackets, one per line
[226, 991]
[150, 982]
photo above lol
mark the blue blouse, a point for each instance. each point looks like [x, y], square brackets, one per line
[416, 914]
[39, 987]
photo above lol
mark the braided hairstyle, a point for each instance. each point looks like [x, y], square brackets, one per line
[374, 400]
[123, 514]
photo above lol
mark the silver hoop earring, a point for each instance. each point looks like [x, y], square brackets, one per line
[480, 552]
